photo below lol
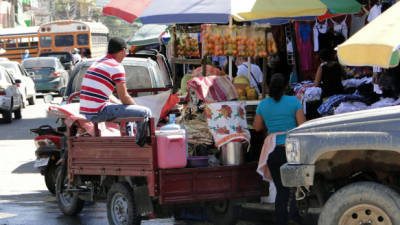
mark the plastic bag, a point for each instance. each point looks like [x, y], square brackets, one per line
[272, 194]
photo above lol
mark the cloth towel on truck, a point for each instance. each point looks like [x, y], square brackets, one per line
[227, 122]
[267, 148]
[212, 89]
[71, 114]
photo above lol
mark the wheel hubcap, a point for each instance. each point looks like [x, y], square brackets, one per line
[119, 209]
[365, 214]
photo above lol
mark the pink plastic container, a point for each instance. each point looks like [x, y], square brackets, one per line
[171, 149]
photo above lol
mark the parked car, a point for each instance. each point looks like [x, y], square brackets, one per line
[65, 58]
[27, 85]
[50, 75]
[10, 96]
[141, 73]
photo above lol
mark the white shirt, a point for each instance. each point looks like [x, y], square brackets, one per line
[76, 57]
[257, 74]
[375, 11]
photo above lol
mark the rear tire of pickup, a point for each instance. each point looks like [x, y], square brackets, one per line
[69, 203]
[121, 207]
[362, 203]
[18, 114]
[222, 212]
[32, 100]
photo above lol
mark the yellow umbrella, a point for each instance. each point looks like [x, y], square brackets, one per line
[265, 9]
[376, 44]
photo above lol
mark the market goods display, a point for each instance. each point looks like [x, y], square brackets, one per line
[187, 45]
[242, 85]
[237, 41]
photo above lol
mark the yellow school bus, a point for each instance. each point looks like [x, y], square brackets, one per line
[16, 40]
[65, 35]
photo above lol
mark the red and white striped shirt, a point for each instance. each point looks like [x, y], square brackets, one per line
[99, 83]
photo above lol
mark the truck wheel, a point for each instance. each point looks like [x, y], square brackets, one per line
[17, 113]
[32, 100]
[69, 203]
[50, 177]
[222, 212]
[7, 116]
[362, 203]
[121, 208]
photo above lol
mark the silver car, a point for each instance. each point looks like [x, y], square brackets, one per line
[10, 96]
[27, 86]
[141, 74]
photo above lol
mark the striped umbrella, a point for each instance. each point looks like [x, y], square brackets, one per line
[210, 11]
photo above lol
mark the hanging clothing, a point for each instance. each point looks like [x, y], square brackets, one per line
[375, 11]
[319, 30]
[357, 22]
[304, 45]
[340, 28]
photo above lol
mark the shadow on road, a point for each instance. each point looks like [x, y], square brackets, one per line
[26, 168]
[40, 208]
[20, 129]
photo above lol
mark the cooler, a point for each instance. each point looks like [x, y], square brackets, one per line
[171, 148]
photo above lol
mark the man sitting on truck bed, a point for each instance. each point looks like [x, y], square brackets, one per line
[97, 101]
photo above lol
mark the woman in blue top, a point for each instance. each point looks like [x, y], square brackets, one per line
[279, 113]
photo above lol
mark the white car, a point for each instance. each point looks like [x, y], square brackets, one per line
[10, 96]
[27, 85]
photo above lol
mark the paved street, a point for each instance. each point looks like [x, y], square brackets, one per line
[24, 199]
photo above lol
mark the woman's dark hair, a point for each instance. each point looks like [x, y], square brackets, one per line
[277, 86]
[325, 54]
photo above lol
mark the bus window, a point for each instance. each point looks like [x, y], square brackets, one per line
[64, 40]
[11, 43]
[34, 41]
[45, 41]
[23, 43]
[83, 39]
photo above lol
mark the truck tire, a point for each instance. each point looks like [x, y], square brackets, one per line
[121, 207]
[222, 212]
[362, 203]
[69, 203]
[32, 100]
[17, 113]
[7, 116]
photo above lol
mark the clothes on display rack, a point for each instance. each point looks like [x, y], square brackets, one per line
[335, 100]
[357, 22]
[340, 28]
[304, 45]
[375, 11]
[321, 35]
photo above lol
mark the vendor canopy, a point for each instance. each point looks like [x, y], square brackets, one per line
[209, 11]
[334, 8]
[149, 34]
[342, 6]
[264, 9]
[376, 44]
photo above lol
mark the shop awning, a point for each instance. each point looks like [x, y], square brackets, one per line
[264, 9]
[342, 6]
[148, 34]
[209, 11]
[376, 44]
